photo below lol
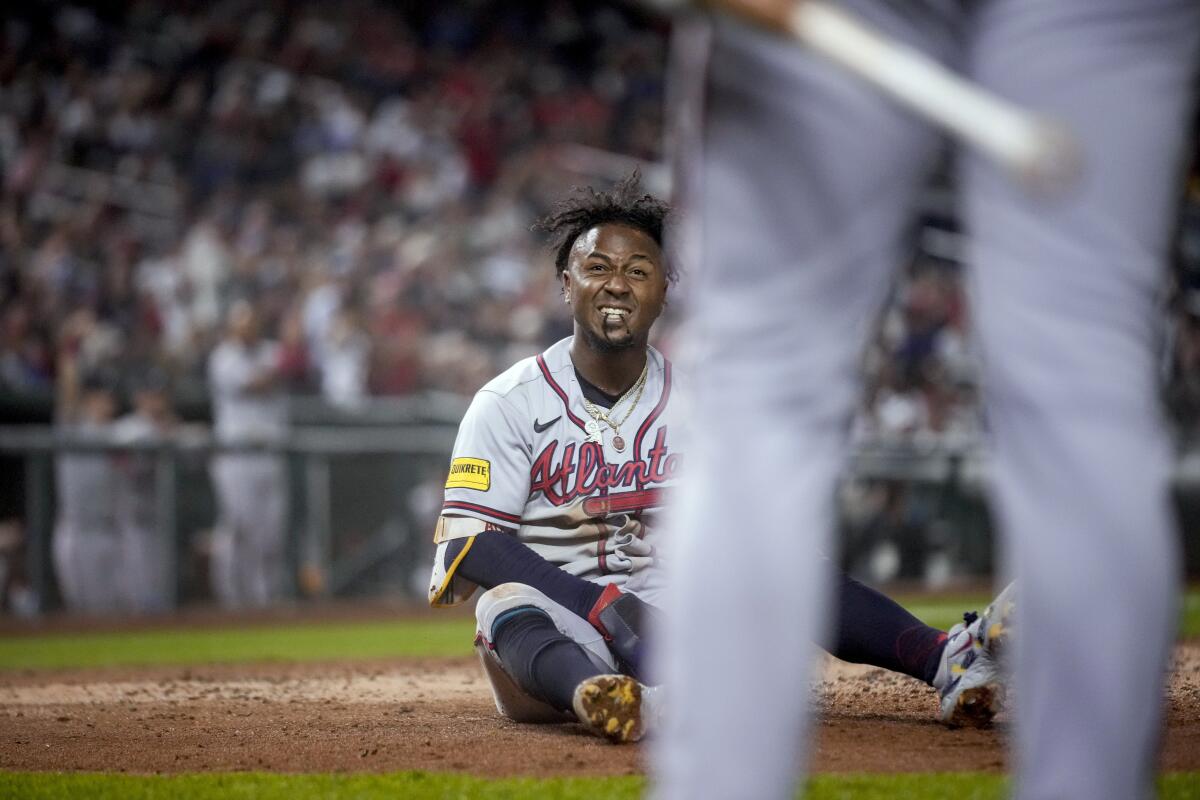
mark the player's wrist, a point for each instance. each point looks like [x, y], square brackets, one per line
[609, 596]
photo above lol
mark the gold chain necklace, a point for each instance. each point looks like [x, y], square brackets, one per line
[600, 415]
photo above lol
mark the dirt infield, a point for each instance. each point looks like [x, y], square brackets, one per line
[437, 715]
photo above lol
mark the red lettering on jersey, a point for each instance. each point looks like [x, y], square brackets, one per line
[589, 477]
[567, 467]
[657, 455]
[552, 476]
[543, 475]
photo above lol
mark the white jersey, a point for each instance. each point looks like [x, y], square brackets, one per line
[240, 414]
[523, 462]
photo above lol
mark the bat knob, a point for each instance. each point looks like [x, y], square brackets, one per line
[1054, 163]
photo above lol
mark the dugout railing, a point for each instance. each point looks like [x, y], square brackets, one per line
[317, 564]
[338, 472]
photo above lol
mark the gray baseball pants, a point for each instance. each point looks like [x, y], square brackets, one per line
[247, 551]
[804, 182]
[87, 560]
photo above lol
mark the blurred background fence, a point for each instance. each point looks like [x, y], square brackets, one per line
[365, 489]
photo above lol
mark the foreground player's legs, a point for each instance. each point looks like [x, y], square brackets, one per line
[805, 184]
[1067, 299]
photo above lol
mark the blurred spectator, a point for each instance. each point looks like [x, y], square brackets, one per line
[17, 597]
[86, 544]
[146, 574]
[347, 353]
[294, 362]
[251, 488]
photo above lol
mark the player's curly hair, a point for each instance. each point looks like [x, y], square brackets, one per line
[585, 208]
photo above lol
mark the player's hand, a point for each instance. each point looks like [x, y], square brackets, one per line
[623, 620]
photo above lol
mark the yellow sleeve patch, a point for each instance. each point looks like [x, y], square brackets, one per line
[470, 473]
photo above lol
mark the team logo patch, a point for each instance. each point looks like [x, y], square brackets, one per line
[470, 473]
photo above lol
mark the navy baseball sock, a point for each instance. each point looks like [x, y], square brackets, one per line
[539, 658]
[497, 558]
[873, 629]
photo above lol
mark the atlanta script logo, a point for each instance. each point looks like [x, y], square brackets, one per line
[582, 470]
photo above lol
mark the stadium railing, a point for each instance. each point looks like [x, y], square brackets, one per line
[950, 472]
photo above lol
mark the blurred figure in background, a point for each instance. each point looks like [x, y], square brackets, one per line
[147, 575]
[347, 356]
[251, 488]
[86, 546]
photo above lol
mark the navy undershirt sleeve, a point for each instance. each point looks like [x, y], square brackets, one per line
[498, 557]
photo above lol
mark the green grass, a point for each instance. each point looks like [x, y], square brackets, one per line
[1190, 623]
[442, 786]
[312, 642]
[450, 636]
[944, 612]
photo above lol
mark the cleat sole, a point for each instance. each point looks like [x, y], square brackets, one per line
[611, 705]
[977, 706]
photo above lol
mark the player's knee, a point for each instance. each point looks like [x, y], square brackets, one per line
[501, 600]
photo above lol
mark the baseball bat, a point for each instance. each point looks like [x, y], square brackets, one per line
[1038, 151]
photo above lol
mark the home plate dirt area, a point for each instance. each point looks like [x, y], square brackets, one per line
[438, 715]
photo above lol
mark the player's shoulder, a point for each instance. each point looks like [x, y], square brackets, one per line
[669, 369]
[657, 360]
[529, 375]
[662, 369]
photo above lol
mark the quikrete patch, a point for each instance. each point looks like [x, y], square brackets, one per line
[470, 473]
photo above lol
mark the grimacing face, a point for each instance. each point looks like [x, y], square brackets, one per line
[616, 286]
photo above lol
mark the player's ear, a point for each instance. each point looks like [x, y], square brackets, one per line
[566, 286]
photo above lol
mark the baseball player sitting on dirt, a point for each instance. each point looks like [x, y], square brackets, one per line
[560, 466]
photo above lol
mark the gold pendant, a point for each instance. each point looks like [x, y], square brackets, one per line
[619, 443]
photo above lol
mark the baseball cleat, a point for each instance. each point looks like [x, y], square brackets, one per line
[616, 707]
[969, 679]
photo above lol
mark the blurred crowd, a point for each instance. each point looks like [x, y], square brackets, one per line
[921, 371]
[364, 172]
[922, 368]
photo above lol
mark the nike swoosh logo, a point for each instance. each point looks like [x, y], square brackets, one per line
[540, 427]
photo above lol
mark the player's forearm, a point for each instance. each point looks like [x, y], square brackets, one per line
[495, 558]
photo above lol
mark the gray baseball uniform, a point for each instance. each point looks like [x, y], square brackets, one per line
[86, 546]
[529, 458]
[145, 576]
[251, 488]
[525, 459]
[804, 185]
